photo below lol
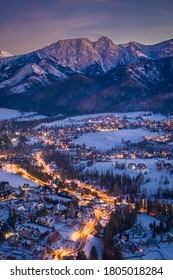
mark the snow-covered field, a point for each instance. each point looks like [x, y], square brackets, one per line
[31, 117]
[6, 114]
[146, 220]
[106, 140]
[131, 116]
[155, 178]
[15, 180]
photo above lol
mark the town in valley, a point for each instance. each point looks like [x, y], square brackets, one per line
[88, 187]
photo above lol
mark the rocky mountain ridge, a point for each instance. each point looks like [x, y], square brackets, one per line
[115, 76]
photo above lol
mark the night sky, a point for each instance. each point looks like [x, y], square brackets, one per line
[33, 24]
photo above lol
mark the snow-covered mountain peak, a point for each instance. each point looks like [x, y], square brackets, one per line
[69, 59]
[5, 54]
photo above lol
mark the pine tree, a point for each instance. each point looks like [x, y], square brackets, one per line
[113, 253]
[93, 253]
[81, 255]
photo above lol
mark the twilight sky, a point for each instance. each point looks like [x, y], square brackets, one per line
[33, 24]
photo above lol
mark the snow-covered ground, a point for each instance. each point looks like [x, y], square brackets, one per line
[78, 120]
[106, 140]
[15, 180]
[131, 116]
[157, 251]
[4, 213]
[154, 177]
[33, 140]
[31, 117]
[6, 114]
[67, 240]
[93, 241]
[146, 220]
[166, 250]
[163, 252]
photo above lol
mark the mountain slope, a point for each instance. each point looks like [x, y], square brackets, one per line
[5, 54]
[79, 76]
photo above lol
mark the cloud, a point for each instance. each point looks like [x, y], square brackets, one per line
[116, 3]
[46, 21]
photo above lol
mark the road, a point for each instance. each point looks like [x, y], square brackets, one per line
[81, 237]
[83, 234]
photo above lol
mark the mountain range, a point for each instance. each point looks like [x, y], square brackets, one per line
[78, 76]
